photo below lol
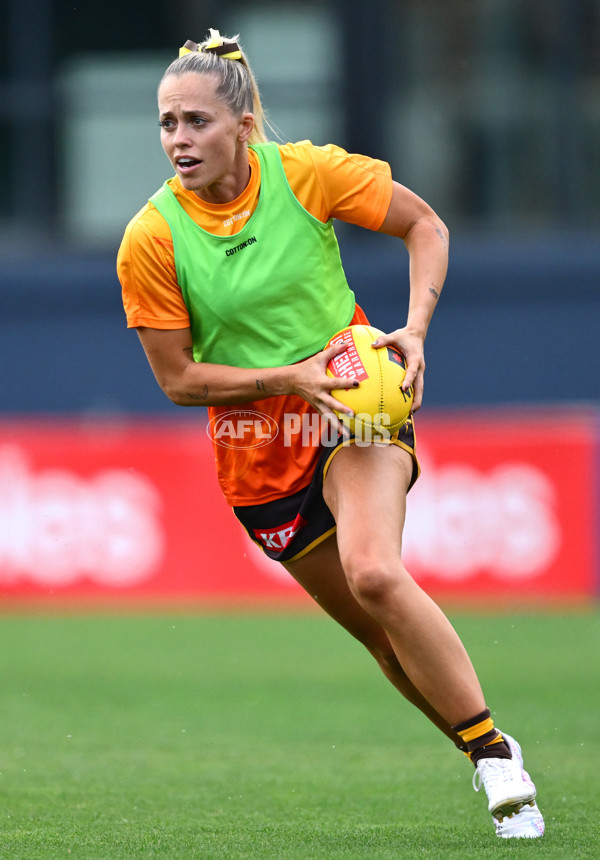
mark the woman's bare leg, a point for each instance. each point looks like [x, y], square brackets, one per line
[365, 489]
[321, 574]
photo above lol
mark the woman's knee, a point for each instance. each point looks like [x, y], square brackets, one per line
[373, 577]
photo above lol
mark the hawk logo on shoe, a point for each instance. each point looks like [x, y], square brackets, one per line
[279, 537]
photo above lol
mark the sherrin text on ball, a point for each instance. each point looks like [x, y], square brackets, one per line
[379, 404]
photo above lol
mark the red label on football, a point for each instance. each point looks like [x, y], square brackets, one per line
[347, 365]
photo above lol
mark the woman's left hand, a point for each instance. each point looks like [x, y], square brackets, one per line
[411, 345]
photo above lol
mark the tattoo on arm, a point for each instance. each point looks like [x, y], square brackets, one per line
[434, 292]
[202, 396]
[441, 235]
[260, 384]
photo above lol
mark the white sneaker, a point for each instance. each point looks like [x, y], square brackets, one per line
[511, 794]
[528, 823]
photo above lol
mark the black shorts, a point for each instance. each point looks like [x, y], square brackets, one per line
[290, 527]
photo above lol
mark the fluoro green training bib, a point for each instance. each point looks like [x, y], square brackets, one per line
[268, 296]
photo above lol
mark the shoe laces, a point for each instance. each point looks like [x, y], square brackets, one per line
[492, 772]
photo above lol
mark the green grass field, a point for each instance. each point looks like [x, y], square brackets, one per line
[275, 736]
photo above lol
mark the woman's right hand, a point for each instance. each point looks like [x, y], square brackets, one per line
[309, 380]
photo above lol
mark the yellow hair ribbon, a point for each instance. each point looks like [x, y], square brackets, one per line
[216, 45]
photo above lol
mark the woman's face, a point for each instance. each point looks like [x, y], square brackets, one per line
[204, 141]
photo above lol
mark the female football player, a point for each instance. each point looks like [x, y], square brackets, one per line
[232, 278]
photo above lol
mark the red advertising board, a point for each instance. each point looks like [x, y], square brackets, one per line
[122, 511]
[130, 511]
[507, 508]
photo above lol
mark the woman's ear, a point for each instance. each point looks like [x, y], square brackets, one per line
[246, 126]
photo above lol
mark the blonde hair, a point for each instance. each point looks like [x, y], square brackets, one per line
[237, 85]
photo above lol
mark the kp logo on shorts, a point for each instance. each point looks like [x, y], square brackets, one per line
[242, 428]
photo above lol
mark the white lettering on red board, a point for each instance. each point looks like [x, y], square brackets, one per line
[461, 521]
[57, 527]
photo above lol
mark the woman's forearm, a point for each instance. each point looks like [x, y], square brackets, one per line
[201, 384]
[427, 244]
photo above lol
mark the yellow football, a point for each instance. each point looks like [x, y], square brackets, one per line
[380, 406]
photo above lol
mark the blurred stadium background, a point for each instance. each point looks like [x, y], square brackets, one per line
[489, 110]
